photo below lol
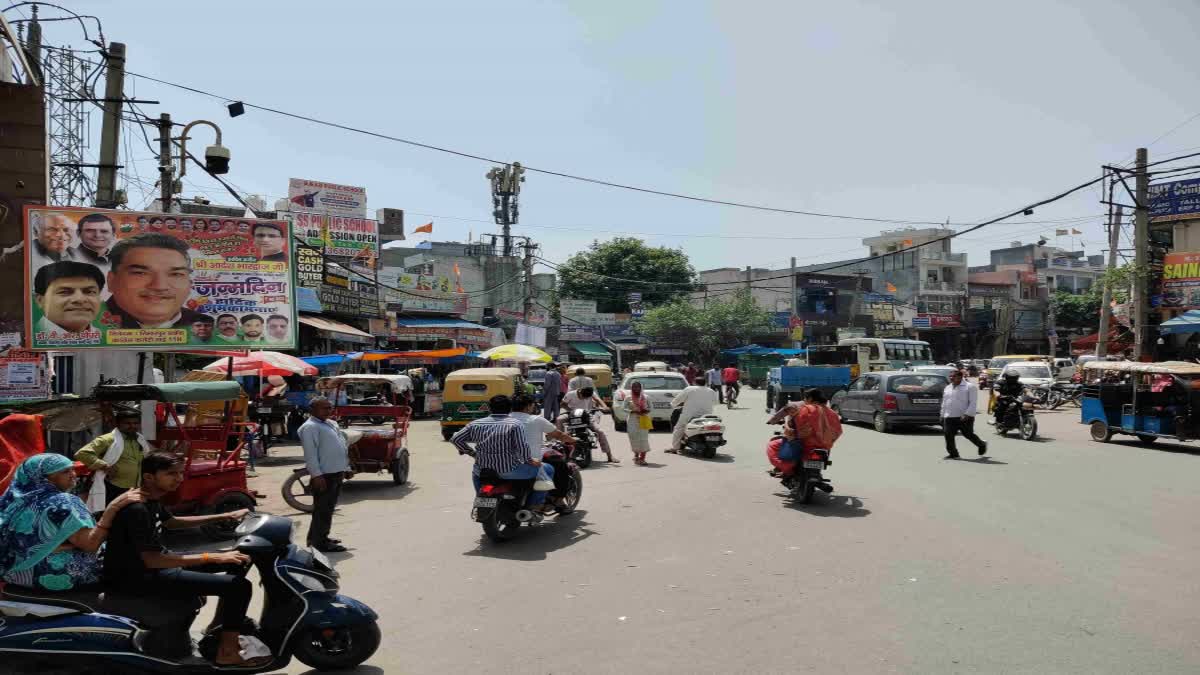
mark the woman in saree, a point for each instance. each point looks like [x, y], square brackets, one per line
[48, 539]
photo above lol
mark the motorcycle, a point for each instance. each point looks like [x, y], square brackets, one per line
[579, 425]
[1065, 392]
[1016, 413]
[807, 477]
[703, 435]
[1040, 394]
[303, 616]
[501, 505]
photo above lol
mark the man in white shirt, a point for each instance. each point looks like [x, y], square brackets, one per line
[580, 381]
[713, 378]
[586, 398]
[960, 401]
[693, 402]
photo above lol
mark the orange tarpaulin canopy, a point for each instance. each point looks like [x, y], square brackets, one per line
[426, 354]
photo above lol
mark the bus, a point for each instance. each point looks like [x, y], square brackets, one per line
[893, 354]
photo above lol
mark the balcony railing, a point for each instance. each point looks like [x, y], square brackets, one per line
[944, 286]
[952, 258]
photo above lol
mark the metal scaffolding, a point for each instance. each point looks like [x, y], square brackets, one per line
[68, 126]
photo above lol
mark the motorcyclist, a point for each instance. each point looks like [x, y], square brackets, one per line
[811, 422]
[586, 399]
[1008, 389]
[693, 402]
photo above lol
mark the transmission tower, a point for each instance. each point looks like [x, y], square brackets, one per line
[66, 88]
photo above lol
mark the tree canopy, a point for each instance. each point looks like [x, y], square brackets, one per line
[595, 274]
[707, 330]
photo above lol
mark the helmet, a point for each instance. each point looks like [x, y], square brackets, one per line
[1012, 375]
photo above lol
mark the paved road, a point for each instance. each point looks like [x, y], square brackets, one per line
[1057, 556]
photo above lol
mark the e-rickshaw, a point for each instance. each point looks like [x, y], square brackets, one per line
[467, 392]
[371, 450]
[214, 470]
[1146, 400]
[366, 397]
[601, 374]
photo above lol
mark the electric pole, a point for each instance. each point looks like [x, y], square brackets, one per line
[528, 264]
[506, 188]
[166, 164]
[110, 134]
[792, 304]
[1141, 246]
[1114, 239]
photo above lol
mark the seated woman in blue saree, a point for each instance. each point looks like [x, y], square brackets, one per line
[48, 539]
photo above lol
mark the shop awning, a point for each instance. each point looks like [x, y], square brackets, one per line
[337, 329]
[324, 359]
[1188, 322]
[418, 322]
[591, 350]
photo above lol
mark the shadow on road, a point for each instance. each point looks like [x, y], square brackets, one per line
[279, 461]
[1174, 448]
[534, 543]
[369, 487]
[361, 670]
[832, 506]
[987, 460]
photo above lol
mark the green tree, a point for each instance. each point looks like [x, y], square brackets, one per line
[608, 271]
[1076, 311]
[707, 330]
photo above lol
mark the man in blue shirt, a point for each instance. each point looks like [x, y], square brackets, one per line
[328, 460]
[500, 445]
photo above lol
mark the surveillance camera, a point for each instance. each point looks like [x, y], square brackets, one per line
[216, 159]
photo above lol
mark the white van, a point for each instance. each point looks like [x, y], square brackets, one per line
[651, 366]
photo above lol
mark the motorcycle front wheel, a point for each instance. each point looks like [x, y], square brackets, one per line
[341, 648]
[1028, 428]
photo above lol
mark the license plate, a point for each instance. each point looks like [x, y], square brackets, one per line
[264, 410]
[662, 404]
[926, 400]
[486, 502]
[814, 464]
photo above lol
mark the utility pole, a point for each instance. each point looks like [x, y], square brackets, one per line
[793, 302]
[528, 264]
[1141, 251]
[166, 163]
[110, 134]
[506, 188]
[1114, 240]
[748, 289]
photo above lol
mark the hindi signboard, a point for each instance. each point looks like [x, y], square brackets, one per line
[316, 196]
[23, 376]
[100, 279]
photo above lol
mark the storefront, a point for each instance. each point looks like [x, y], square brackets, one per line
[322, 335]
[418, 333]
[588, 352]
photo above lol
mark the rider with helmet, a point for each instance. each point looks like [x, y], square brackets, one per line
[1008, 390]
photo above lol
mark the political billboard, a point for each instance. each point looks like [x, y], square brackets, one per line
[100, 279]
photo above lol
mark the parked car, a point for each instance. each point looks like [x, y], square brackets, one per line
[936, 370]
[893, 397]
[1030, 373]
[659, 388]
[1064, 368]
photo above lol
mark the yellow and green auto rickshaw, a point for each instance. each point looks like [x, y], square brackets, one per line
[466, 393]
[601, 374]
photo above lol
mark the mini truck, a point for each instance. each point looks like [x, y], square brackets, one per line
[829, 369]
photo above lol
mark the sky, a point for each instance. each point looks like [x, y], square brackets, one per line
[922, 110]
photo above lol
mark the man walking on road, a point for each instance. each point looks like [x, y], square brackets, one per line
[714, 383]
[959, 404]
[552, 392]
[328, 459]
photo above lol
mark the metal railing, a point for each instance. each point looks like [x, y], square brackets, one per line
[944, 286]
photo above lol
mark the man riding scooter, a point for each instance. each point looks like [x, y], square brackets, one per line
[693, 402]
[137, 562]
[1008, 393]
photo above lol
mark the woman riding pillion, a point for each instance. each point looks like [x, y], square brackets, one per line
[809, 425]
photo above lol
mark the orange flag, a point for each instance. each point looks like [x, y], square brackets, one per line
[427, 227]
[891, 287]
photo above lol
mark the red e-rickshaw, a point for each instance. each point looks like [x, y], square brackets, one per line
[371, 450]
[214, 467]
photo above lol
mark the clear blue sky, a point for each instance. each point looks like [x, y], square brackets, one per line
[937, 110]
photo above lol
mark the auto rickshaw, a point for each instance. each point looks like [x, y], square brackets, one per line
[601, 374]
[467, 392]
[1146, 400]
[367, 397]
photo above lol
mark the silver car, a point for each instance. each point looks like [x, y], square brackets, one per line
[890, 398]
[658, 388]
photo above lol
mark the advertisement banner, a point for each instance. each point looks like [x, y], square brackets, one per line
[1176, 200]
[310, 267]
[420, 293]
[143, 281]
[939, 321]
[23, 376]
[1181, 281]
[316, 196]
[310, 228]
[353, 238]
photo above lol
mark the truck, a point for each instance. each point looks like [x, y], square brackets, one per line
[829, 369]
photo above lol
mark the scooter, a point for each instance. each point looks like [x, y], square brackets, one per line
[303, 616]
[579, 425]
[703, 435]
[501, 505]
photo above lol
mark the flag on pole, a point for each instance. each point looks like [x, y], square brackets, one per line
[1075, 231]
[890, 286]
[458, 287]
[426, 228]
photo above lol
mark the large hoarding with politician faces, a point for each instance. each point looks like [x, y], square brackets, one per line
[144, 281]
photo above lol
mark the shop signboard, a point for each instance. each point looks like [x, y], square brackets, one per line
[1181, 281]
[178, 281]
[889, 329]
[578, 333]
[23, 376]
[316, 196]
[1176, 200]
[310, 267]
[939, 320]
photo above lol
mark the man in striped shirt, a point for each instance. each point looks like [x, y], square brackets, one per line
[500, 445]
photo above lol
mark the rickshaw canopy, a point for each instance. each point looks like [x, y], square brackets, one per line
[174, 392]
[1163, 368]
[398, 383]
[483, 374]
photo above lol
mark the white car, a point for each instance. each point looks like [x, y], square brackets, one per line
[1030, 373]
[658, 388]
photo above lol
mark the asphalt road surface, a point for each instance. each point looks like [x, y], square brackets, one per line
[1056, 556]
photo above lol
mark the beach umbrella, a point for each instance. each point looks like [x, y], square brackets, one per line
[263, 364]
[516, 352]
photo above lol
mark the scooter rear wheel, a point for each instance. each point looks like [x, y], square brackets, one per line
[338, 648]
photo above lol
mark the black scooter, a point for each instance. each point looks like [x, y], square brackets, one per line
[303, 616]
